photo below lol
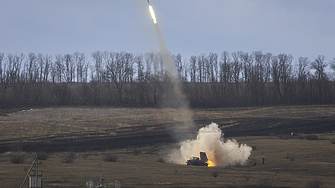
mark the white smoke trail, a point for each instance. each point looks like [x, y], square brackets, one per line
[210, 140]
[177, 97]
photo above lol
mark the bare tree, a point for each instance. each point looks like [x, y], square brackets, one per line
[69, 73]
[276, 73]
[98, 66]
[79, 61]
[319, 65]
[302, 79]
[179, 65]
[259, 66]
[185, 68]
[140, 68]
[247, 62]
[154, 58]
[85, 70]
[193, 68]
[202, 67]
[255, 78]
[129, 66]
[236, 67]
[48, 61]
[226, 76]
[235, 71]
[32, 58]
[13, 71]
[148, 62]
[267, 60]
[40, 64]
[3, 84]
[332, 64]
[285, 62]
[207, 69]
[53, 72]
[118, 71]
[225, 67]
[2, 57]
[303, 69]
[213, 62]
[59, 67]
[321, 84]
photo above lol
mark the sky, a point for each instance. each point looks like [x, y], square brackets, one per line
[303, 28]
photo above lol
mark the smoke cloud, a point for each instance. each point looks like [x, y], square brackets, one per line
[210, 140]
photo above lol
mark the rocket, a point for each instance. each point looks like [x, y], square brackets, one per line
[152, 13]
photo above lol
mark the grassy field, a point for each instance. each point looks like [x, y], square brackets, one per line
[290, 161]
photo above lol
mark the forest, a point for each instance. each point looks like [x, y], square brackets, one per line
[139, 80]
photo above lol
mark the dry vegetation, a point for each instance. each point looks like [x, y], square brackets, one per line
[290, 161]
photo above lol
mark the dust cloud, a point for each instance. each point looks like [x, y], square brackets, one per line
[210, 140]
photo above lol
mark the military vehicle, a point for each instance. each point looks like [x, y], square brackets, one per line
[196, 162]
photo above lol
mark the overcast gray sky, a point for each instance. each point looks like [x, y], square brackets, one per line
[190, 27]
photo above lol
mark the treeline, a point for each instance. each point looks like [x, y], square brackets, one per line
[127, 79]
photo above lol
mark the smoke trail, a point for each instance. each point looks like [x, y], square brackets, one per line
[176, 95]
[210, 140]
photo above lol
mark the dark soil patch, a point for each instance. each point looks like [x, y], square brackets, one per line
[144, 135]
[256, 126]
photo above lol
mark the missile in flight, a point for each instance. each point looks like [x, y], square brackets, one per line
[152, 13]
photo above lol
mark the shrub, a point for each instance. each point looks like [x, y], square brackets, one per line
[69, 158]
[17, 158]
[315, 184]
[332, 141]
[42, 156]
[254, 148]
[215, 174]
[110, 157]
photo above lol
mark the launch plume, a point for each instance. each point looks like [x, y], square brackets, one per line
[209, 140]
[219, 152]
[175, 95]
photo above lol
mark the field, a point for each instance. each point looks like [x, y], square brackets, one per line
[139, 138]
